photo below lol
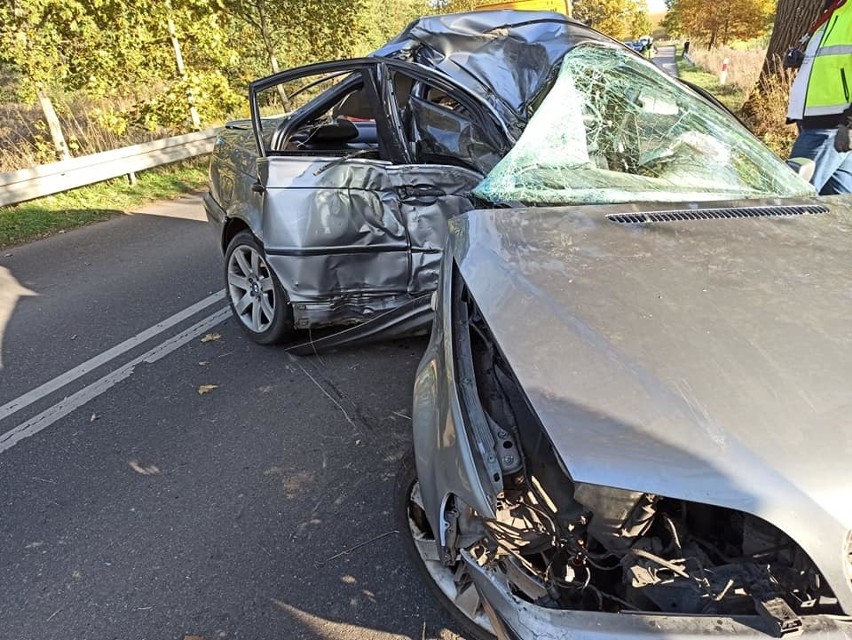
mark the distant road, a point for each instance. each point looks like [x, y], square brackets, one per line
[665, 59]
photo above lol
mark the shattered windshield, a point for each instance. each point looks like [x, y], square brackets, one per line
[615, 129]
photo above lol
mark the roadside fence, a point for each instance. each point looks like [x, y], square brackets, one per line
[47, 179]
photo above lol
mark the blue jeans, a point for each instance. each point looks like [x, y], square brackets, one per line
[833, 173]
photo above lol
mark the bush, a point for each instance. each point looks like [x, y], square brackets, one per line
[765, 113]
[212, 96]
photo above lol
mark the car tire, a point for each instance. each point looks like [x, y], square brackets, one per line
[257, 299]
[414, 527]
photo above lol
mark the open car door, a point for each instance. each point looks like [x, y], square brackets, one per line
[353, 219]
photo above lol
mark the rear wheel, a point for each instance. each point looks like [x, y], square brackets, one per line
[450, 584]
[256, 297]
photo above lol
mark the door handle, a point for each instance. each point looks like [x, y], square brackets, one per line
[420, 194]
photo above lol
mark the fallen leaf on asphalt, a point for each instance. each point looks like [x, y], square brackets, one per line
[150, 470]
[207, 388]
[210, 337]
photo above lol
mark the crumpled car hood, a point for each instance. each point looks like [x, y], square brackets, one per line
[704, 360]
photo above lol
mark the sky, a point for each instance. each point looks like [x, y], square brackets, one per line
[656, 6]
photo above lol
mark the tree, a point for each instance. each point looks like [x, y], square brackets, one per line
[671, 22]
[386, 19]
[792, 20]
[456, 6]
[720, 21]
[35, 36]
[620, 19]
[766, 107]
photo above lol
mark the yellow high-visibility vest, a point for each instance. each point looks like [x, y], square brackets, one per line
[824, 84]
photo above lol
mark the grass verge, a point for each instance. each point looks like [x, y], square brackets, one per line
[728, 94]
[53, 214]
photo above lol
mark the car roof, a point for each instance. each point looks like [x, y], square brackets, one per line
[508, 58]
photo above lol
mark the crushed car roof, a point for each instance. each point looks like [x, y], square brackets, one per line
[508, 58]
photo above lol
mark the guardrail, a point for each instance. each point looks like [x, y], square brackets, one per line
[47, 179]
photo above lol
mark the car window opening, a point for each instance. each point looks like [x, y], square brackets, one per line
[317, 123]
[439, 129]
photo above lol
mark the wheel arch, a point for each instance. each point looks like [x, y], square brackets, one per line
[232, 227]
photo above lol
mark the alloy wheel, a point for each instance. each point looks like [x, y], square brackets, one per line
[251, 288]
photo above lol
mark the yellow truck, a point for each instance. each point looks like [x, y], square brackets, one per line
[560, 6]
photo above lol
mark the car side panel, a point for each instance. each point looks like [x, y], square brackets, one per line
[232, 175]
[429, 196]
[332, 227]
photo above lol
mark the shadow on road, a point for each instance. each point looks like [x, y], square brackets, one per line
[10, 292]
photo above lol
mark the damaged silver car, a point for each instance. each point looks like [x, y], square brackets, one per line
[337, 211]
[633, 416]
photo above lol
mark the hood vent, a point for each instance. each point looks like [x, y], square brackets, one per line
[717, 214]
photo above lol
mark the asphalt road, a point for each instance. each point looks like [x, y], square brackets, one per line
[665, 59]
[132, 506]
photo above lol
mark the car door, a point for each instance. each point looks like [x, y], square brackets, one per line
[352, 222]
[331, 230]
[449, 141]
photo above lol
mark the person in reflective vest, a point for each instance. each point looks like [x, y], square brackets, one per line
[820, 101]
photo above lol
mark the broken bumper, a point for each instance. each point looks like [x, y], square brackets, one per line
[515, 619]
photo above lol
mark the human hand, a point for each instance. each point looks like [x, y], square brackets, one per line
[793, 59]
[841, 139]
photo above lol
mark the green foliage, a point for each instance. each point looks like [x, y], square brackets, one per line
[384, 20]
[46, 216]
[116, 49]
[213, 97]
[620, 19]
[454, 6]
[117, 56]
[719, 22]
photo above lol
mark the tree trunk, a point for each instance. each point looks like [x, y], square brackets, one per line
[53, 125]
[273, 59]
[765, 109]
[181, 69]
[792, 20]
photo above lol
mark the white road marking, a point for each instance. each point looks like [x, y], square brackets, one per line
[60, 381]
[77, 400]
